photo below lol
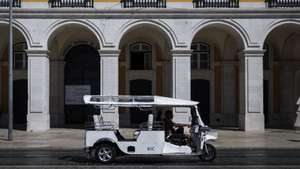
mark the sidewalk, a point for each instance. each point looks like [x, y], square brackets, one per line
[68, 139]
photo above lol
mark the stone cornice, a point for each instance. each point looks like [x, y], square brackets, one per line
[154, 13]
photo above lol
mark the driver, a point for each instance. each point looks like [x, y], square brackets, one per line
[170, 127]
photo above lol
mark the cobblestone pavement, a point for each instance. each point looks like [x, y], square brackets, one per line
[230, 158]
[62, 148]
[68, 139]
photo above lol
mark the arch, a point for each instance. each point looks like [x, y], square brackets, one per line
[84, 23]
[236, 28]
[81, 73]
[22, 29]
[282, 79]
[274, 25]
[161, 27]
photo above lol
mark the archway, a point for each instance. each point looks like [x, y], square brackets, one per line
[19, 76]
[74, 71]
[144, 67]
[280, 69]
[215, 73]
[82, 72]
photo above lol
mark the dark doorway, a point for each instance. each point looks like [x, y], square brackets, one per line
[266, 102]
[82, 76]
[139, 87]
[200, 92]
[20, 103]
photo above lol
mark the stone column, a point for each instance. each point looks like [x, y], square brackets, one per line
[38, 91]
[109, 82]
[181, 68]
[251, 117]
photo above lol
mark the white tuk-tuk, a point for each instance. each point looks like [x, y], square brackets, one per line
[104, 142]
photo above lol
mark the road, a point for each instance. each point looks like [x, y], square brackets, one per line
[288, 159]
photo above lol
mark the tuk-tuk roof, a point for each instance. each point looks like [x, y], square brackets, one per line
[136, 101]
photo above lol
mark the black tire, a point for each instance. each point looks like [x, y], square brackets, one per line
[105, 153]
[209, 153]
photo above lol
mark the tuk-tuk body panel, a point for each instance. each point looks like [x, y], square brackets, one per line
[148, 142]
[93, 136]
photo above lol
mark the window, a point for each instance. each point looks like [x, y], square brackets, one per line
[140, 56]
[20, 56]
[200, 56]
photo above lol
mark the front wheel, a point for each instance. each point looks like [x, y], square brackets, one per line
[105, 153]
[208, 153]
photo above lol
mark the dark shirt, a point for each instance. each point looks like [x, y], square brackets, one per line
[169, 127]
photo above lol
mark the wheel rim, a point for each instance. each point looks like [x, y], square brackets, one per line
[105, 154]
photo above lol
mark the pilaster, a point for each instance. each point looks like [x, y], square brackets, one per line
[109, 80]
[251, 117]
[38, 91]
[181, 70]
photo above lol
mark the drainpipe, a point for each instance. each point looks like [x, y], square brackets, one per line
[10, 75]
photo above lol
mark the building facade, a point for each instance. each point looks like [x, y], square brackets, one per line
[240, 59]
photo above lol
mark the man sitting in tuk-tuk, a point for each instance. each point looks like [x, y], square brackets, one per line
[174, 132]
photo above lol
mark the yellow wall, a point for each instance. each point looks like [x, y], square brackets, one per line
[119, 1]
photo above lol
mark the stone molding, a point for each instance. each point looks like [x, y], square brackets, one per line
[181, 53]
[253, 53]
[109, 53]
[37, 53]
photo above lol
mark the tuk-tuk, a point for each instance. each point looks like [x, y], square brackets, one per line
[104, 142]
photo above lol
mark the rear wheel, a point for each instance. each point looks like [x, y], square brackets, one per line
[105, 153]
[209, 153]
